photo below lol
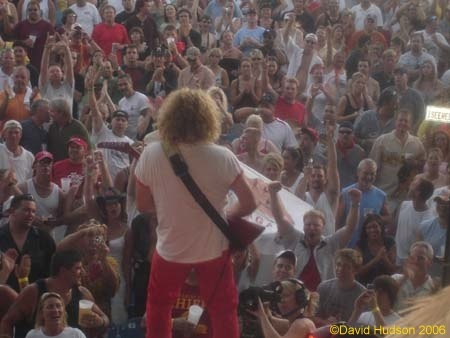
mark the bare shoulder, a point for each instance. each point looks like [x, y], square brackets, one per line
[301, 327]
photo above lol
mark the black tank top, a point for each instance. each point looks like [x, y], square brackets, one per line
[349, 109]
[23, 327]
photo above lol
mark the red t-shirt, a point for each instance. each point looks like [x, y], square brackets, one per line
[190, 295]
[290, 111]
[64, 168]
[105, 35]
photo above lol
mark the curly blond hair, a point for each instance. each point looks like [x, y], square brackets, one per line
[189, 116]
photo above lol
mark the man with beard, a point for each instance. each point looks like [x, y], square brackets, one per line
[373, 200]
[323, 184]
[65, 279]
[137, 106]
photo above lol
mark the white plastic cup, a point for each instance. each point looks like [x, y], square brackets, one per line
[65, 184]
[84, 308]
[195, 312]
[33, 38]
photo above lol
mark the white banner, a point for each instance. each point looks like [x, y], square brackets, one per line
[263, 215]
[437, 114]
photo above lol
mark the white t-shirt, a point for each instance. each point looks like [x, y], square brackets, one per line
[280, 133]
[88, 16]
[68, 332]
[4, 160]
[3, 78]
[408, 224]
[361, 14]
[185, 233]
[133, 105]
[64, 91]
[295, 55]
[21, 164]
[367, 318]
[116, 160]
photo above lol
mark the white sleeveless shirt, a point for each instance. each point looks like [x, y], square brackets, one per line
[45, 206]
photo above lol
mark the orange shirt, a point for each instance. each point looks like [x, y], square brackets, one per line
[16, 108]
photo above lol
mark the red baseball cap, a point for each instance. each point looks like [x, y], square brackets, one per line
[78, 141]
[42, 155]
[311, 132]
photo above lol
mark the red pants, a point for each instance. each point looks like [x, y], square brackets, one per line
[215, 277]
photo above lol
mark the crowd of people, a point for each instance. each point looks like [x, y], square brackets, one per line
[325, 98]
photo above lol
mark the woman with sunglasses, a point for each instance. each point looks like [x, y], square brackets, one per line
[221, 75]
[51, 319]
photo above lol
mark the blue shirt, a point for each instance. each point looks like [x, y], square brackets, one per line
[372, 202]
[255, 33]
[432, 232]
[34, 138]
[213, 10]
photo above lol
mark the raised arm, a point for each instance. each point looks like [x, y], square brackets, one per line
[96, 117]
[68, 62]
[333, 184]
[43, 76]
[279, 212]
[289, 28]
[352, 218]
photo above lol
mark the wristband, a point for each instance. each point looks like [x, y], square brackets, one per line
[355, 205]
[376, 309]
[23, 280]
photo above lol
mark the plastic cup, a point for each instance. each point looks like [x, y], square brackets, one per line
[65, 184]
[195, 312]
[84, 308]
[33, 38]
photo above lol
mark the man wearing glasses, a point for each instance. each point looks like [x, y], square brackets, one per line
[28, 241]
[196, 75]
[415, 280]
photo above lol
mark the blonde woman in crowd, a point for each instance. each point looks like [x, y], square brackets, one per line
[265, 146]
[51, 319]
[221, 76]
